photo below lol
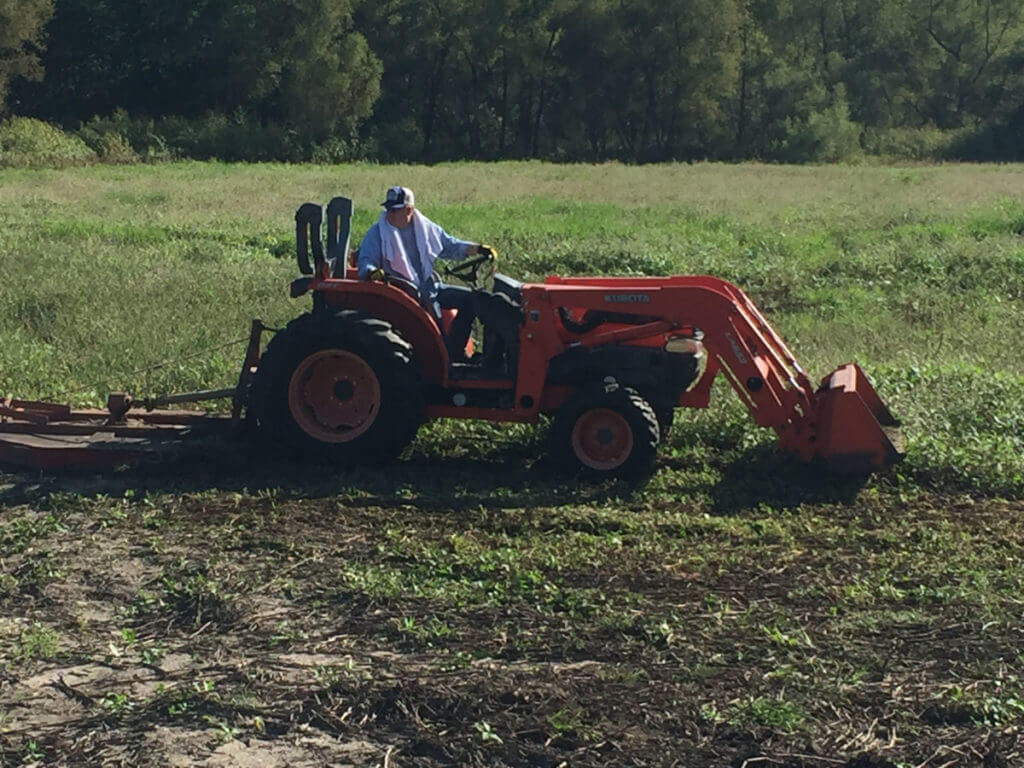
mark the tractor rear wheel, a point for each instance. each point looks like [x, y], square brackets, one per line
[610, 431]
[338, 388]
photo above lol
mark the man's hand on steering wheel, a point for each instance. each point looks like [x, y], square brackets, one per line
[487, 250]
[469, 269]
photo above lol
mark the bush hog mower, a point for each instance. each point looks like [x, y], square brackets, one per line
[609, 359]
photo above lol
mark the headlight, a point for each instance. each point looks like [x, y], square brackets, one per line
[684, 345]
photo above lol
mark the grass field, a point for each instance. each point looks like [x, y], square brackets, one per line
[469, 606]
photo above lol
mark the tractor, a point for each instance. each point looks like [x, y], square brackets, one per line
[608, 359]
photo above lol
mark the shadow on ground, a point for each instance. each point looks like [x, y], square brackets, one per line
[764, 476]
[504, 478]
[509, 476]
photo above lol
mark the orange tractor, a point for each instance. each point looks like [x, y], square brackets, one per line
[608, 358]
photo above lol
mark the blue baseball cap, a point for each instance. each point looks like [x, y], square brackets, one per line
[399, 197]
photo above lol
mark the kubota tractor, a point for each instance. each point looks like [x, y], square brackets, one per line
[609, 359]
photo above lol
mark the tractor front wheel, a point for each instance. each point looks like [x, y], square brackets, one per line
[611, 431]
[338, 388]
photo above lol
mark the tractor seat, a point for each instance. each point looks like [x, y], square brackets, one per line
[506, 285]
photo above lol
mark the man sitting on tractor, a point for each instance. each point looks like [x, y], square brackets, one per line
[404, 244]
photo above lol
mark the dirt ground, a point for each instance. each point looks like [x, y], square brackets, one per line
[162, 620]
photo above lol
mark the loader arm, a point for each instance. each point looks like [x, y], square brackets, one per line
[842, 421]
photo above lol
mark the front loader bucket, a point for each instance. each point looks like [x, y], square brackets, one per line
[855, 431]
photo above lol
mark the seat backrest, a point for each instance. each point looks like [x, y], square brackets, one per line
[339, 232]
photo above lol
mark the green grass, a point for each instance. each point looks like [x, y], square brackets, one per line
[468, 605]
[917, 273]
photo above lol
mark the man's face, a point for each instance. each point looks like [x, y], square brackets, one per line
[399, 217]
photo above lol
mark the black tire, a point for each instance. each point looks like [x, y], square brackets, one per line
[606, 445]
[387, 389]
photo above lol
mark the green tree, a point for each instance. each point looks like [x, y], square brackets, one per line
[789, 80]
[419, 44]
[21, 26]
[298, 62]
[792, 102]
[648, 78]
[321, 76]
[511, 75]
[971, 55]
[813, 73]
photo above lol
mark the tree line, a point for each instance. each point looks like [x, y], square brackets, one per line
[428, 80]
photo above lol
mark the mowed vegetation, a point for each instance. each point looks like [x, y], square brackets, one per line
[470, 605]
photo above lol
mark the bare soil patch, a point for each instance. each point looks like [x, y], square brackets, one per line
[420, 619]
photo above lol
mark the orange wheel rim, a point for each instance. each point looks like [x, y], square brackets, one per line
[602, 439]
[334, 396]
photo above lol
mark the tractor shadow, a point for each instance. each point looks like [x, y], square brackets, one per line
[763, 476]
[513, 475]
[504, 478]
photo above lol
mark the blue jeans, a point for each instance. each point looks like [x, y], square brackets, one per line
[459, 298]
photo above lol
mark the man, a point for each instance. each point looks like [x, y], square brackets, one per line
[404, 243]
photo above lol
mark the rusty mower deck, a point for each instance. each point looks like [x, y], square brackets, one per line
[41, 435]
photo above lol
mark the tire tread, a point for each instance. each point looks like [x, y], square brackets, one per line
[628, 402]
[388, 354]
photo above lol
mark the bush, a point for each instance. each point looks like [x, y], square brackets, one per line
[234, 138]
[30, 143]
[114, 148]
[337, 150]
[997, 140]
[827, 135]
[927, 143]
[230, 138]
[121, 138]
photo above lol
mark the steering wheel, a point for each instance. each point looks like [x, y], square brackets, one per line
[469, 270]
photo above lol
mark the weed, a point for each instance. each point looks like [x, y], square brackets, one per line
[194, 598]
[570, 722]
[486, 732]
[225, 732]
[116, 703]
[767, 711]
[996, 706]
[709, 713]
[38, 642]
[152, 654]
[32, 752]
[19, 532]
[787, 640]
[286, 633]
[327, 676]
[8, 585]
[427, 633]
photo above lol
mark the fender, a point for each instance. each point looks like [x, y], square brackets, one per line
[397, 308]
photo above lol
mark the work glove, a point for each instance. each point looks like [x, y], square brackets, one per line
[487, 250]
[376, 274]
